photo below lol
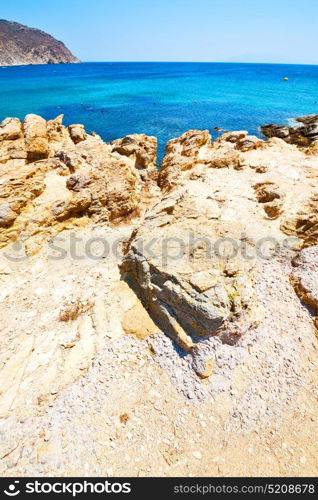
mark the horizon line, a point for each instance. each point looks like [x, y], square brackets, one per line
[199, 62]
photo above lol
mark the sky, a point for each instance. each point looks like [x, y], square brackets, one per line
[281, 31]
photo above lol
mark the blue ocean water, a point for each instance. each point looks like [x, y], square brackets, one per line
[161, 99]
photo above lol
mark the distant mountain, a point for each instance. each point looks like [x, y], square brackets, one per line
[22, 45]
[272, 58]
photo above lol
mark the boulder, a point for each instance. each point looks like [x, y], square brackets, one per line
[301, 136]
[35, 135]
[142, 151]
[10, 129]
[77, 133]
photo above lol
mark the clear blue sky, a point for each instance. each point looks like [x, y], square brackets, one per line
[177, 30]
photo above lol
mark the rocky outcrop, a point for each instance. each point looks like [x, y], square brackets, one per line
[195, 258]
[303, 135]
[54, 177]
[187, 256]
[222, 258]
[21, 45]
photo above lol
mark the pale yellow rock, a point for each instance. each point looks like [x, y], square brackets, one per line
[10, 129]
[35, 133]
[137, 322]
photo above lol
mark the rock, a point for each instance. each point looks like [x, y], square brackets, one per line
[248, 142]
[301, 136]
[170, 256]
[195, 148]
[273, 130]
[142, 147]
[7, 215]
[10, 129]
[35, 134]
[212, 260]
[203, 368]
[54, 177]
[137, 322]
[77, 133]
[142, 151]
[77, 182]
[313, 148]
[186, 257]
[302, 221]
[269, 194]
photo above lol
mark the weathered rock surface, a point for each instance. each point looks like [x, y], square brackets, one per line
[22, 45]
[53, 177]
[197, 253]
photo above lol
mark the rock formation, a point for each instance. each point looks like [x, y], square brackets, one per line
[20, 45]
[235, 193]
[304, 135]
[54, 177]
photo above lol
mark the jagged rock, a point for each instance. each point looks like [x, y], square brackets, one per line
[194, 148]
[10, 129]
[269, 194]
[7, 215]
[77, 133]
[248, 142]
[301, 136]
[53, 176]
[313, 148]
[142, 150]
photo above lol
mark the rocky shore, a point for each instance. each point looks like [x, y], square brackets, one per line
[304, 134]
[179, 302]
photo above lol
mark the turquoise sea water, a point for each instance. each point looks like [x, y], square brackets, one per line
[161, 99]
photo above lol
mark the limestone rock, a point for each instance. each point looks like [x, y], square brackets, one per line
[54, 177]
[142, 151]
[137, 322]
[35, 134]
[77, 133]
[10, 129]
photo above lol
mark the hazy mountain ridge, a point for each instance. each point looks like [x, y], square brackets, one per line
[21, 45]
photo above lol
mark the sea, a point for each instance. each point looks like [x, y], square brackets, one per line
[161, 99]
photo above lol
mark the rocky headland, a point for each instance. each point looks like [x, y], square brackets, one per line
[180, 303]
[20, 45]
